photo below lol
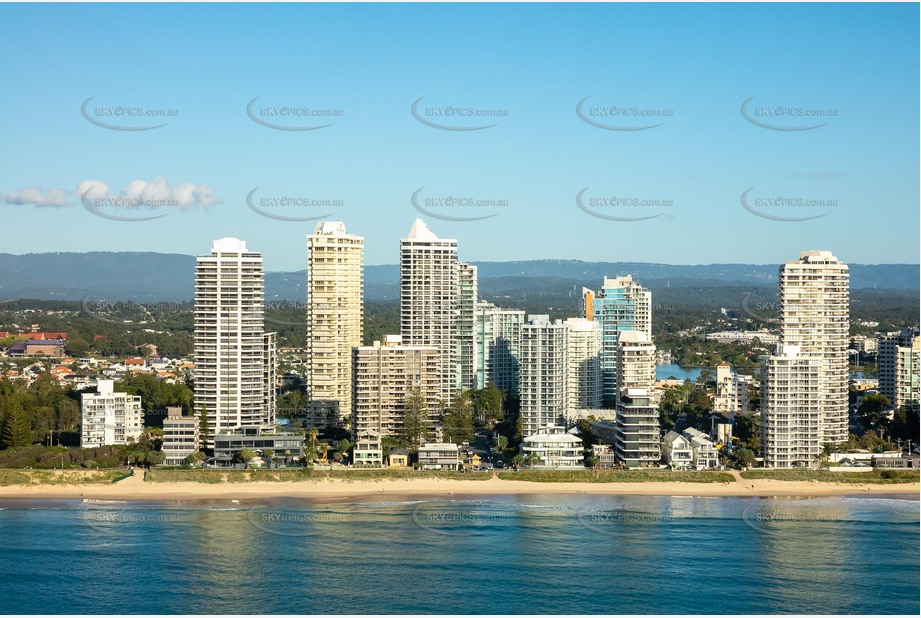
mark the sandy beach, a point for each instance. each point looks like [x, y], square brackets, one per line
[135, 488]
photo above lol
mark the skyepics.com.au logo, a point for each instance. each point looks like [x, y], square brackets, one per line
[624, 207]
[769, 517]
[457, 117]
[457, 207]
[272, 206]
[122, 522]
[291, 522]
[760, 310]
[619, 117]
[121, 311]
[786, 207]
[284, 117]
[460, 518]
[614, 522]
[126, 117]
[781, 117]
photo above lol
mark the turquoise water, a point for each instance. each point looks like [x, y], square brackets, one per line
[498, 554]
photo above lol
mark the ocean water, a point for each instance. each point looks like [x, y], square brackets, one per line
[574, 554]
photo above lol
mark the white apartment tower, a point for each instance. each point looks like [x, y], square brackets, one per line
[585, 379]
[385, 373]
[543, 373]
[636, 431]
[814, 315]
[498, 341]
[234, 357]
[334, 318]
[108, 417]
[437, 298]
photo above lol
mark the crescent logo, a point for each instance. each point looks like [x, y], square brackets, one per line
[84, 109]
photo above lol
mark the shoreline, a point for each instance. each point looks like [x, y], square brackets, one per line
[136, 489]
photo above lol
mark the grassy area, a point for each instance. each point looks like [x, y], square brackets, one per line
[179, 475]
[825, 476]
[59, 477]
[617, 476]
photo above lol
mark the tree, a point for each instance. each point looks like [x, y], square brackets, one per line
[745, 457]
[195, 459]
[17, 432]
[501, 443]
[154, 458]
[415, 429]
[204, 428]
[487, 403]
[244, 456]
[870, 411]
[533, 459]
[517, 460]
[457, 421]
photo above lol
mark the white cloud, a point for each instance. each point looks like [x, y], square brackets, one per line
[137, 194]
[35, 196]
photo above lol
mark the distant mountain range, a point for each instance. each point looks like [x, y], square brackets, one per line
[146, 276]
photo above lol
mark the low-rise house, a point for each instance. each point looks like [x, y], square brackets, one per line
[439, 456]
[552, 448]
[604, 456]
[287, 448]
[398, 459]
[704, 452]
[676, 450]
[367, 452]
[180, 436]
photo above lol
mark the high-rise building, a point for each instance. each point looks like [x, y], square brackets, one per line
[466, 326]
[498, 340]
[108, 417]
[233, 354]
[897, 360]
[334, 319]
[543, 373]
[814, 314]
[585, 381]
[384, 375]
[437, 296]
[732, 391]
[636, 434]
[621, 305]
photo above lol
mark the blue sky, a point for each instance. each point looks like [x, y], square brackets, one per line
[852, 67]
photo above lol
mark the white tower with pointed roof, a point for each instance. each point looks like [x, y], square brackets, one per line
[435, 291]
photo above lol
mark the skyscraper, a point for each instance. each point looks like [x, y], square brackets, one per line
[805, 410]
[234, 370]
[437, 297]
[637, 421]
[334, 319]
[543, 373]
[621, 305]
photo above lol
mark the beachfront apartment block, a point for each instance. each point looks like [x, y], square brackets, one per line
[676, 450]
[620, 305]
[234, 356]
[543, 373]
[732, 391]
[109, 418]
[335, 311]
[286, 448]
[384, 375]
[804, 398]
[180, 436]
[898, 363]
[637, 421]
[498, 344]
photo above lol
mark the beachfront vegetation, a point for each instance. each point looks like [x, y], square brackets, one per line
[826, 476]
[618, 476]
